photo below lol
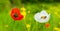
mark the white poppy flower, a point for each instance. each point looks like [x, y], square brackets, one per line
[42, 17]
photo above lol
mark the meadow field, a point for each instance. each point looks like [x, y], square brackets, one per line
[29, 23]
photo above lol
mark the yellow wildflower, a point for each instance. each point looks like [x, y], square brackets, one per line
[28, 25]
[23, 11]
[57, 14]
[28, 11]
[57, 29]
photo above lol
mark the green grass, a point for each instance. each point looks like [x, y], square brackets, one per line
[5, 18]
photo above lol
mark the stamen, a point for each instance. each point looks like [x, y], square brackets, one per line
[43, 17]
[15, 15]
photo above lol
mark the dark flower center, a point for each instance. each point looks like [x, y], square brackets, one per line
[43, 17]
[15, 15]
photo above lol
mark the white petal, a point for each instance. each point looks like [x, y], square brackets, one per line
[44, 13]
[37, 17]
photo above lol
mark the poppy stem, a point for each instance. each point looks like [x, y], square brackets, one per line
[13, 22]
[14, 25]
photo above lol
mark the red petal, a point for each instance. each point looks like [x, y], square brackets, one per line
[47, 25]
[15, 10]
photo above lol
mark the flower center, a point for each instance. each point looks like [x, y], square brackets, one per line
[43, 17]
[15, 15]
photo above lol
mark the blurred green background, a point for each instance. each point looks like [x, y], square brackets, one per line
[28, 23]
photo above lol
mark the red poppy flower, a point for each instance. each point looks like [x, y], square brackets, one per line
[47, 25]
[16, 15]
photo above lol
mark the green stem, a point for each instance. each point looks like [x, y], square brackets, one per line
[13, 25]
